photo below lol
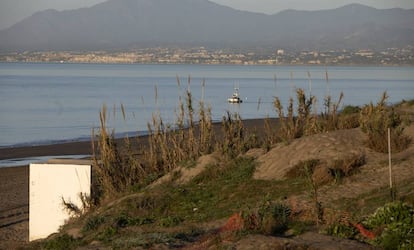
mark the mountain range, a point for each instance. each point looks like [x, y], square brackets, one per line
[126, 24]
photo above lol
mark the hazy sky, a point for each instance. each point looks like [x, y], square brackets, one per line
[12, 11]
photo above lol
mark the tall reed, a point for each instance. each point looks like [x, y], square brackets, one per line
[375, 121]
[294, 125]
[186, 140]
[233, 132]
[330, 118]
[114, 172]
[205, 122]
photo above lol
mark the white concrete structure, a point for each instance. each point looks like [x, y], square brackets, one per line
[48, 184]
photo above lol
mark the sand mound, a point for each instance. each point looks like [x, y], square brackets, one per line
[183, 175]
[326, 147]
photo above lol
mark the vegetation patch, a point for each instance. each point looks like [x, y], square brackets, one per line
[269, 218]
[393, 225]
[63, 241]
[323, 172]
[376, 120]
[302, 168]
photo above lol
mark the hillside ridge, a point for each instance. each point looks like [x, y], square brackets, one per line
[127, 24]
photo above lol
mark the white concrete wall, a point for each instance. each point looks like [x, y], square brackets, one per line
[48, 183]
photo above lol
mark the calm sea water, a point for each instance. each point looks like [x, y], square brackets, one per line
[48, 103]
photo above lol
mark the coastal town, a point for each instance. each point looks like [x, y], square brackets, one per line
[201, 55]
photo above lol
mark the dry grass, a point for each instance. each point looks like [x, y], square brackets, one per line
[303, 120]
[293, 125]
[375, 121]
[114, 172]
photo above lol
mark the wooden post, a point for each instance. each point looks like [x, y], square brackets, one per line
[389, 156]
[392, 190]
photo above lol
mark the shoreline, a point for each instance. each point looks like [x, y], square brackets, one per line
[82, 147]
[61, 149]
[224, 64]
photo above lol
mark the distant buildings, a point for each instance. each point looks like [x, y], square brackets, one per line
[202, 55]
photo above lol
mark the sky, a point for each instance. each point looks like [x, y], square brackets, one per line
[13, 11]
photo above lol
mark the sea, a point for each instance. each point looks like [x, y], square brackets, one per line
[47, 103]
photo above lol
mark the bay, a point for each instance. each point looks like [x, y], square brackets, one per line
[49, 103]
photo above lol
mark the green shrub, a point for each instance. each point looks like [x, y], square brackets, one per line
[281, 214]
[342, 231]
[394, 223]
[349, 109]
[408, 102]
[125, 221]
[107, 234]
[61, 242]
[93, 222]
[170, 221]
[270, 218]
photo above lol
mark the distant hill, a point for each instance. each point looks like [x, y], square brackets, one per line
[123, 24]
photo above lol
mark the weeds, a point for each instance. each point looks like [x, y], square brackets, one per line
[270, 218]
[301, 168]
[76, 210]
[349, 117]
[303, 121]
[61, 242]
[348, 165]
[92, 223]
[322, 173]
[313, 191]
[291, 126]
[375, 121]
[233, 133]
[269, 135]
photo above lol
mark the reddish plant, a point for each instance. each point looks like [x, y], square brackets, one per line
[363, 231]
[234, 224]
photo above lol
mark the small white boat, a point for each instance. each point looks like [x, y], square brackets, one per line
[235, 98]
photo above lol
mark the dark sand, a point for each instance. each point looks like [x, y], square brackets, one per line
[70, 148]
[14, 207]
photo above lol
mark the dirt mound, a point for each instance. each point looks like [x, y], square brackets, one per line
[183, 175]
[326, 147]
